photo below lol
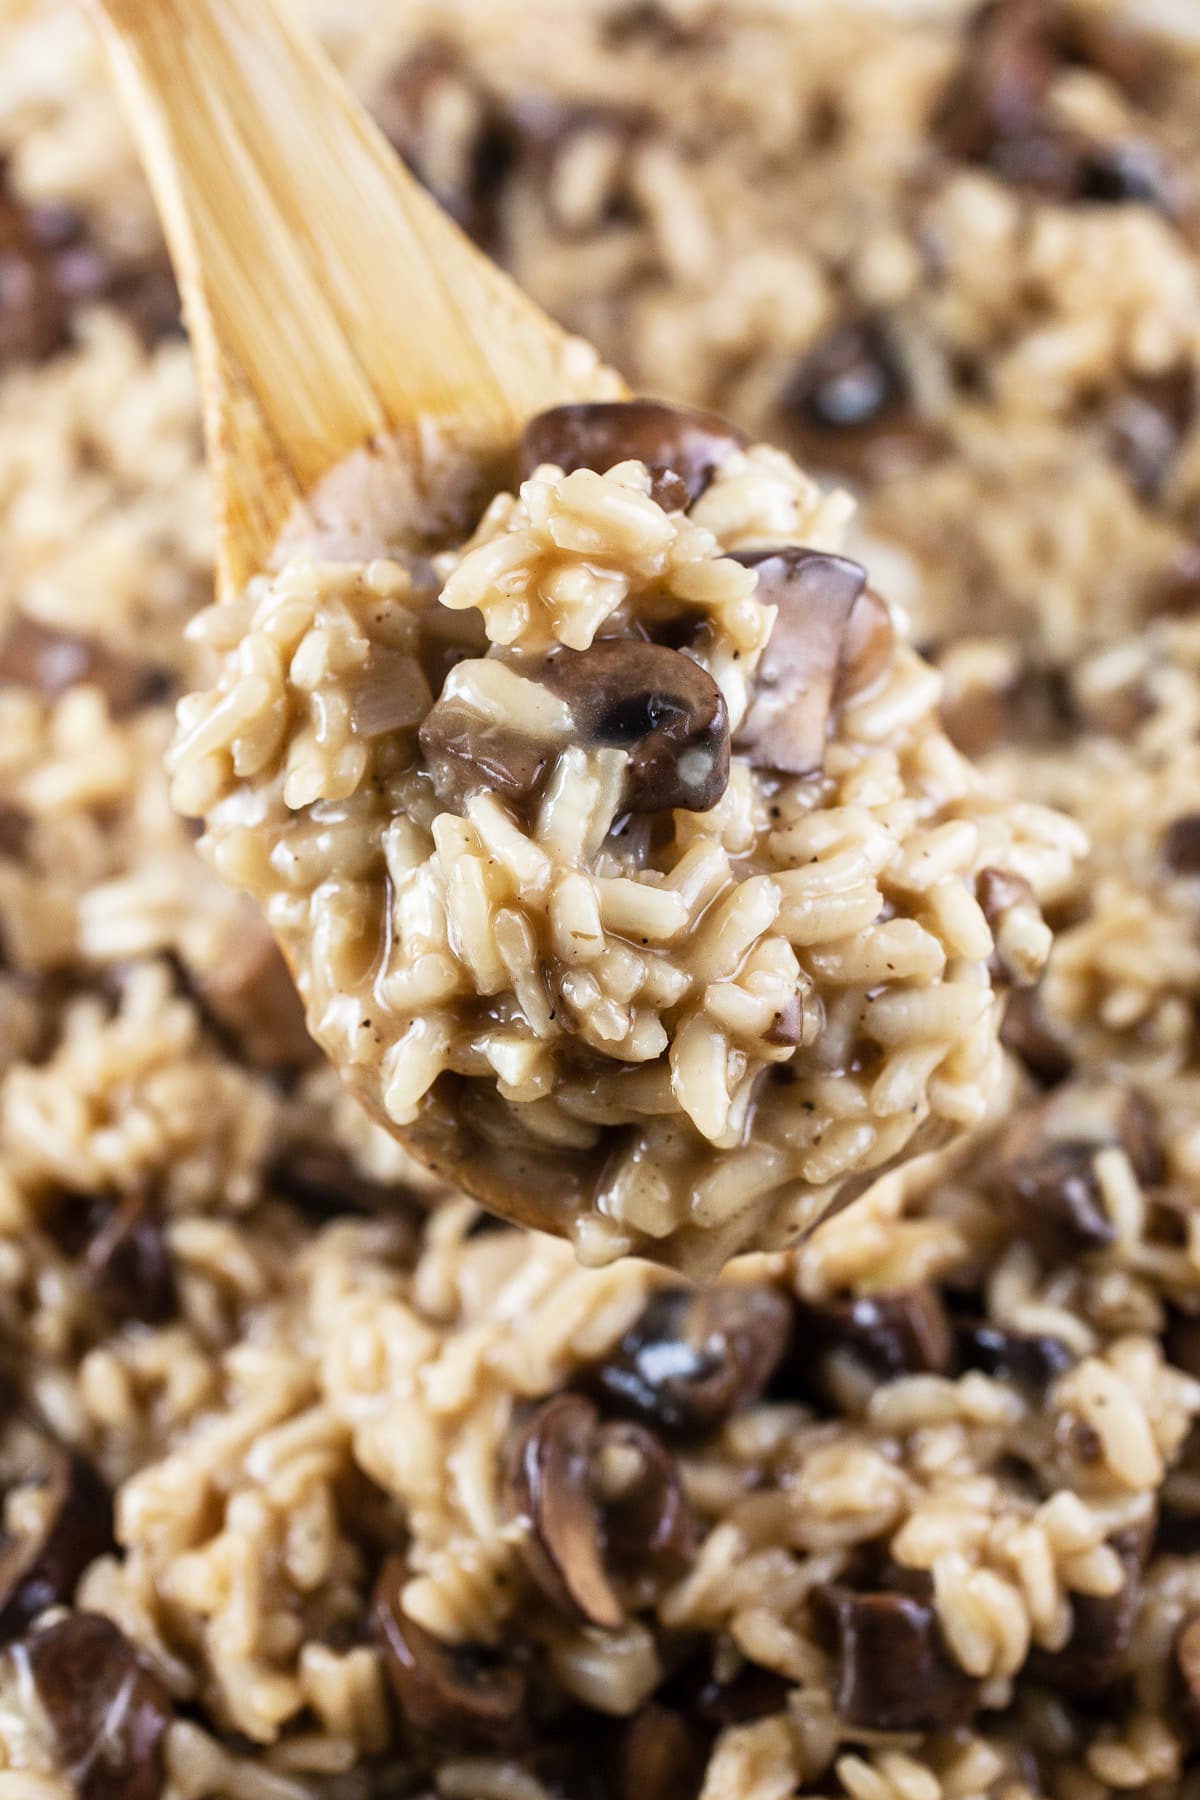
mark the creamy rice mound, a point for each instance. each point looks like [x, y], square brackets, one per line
[623, 841]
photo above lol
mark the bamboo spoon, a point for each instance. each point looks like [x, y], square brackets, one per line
[333, 309]
[331, 304]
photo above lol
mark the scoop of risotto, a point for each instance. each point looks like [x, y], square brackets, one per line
[619, 853]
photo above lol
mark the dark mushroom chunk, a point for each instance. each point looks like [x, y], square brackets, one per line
[598, 434]
[646, 1515]
[107, 1709]
[693, 1358]
[463, 1692]
[1146, 425]
[891, 1671]
[1174, 592]
[752, 1693]
[41, 1569]
[803, 668]
[15, 828]
[323, 1182]
[549, 1486]
[1181, 845]
[586, 1521]
[51, 661]
[464, 750]
[658, 1754]
[1028, 1033]
[1030, 1360]
[473, 187]
[128, 1263]
[658, 705]
[1102, 1629]
[1186, 1658]
[849, 403]
[888, 1335]
[1007, 70]
[1001, 895]
[1055, 1202]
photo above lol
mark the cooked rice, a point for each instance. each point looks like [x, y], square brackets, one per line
[325, 1380]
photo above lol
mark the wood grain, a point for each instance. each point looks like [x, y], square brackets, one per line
[329, 301]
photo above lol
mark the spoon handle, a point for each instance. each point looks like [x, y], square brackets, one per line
[329, 300]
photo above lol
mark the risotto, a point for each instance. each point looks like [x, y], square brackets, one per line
[619, 852]
[318, 1484]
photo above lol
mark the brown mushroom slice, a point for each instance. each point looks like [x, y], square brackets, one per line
[1186, 1658]
[1030, 1360]
[129, 1265]
[1093, 1656]
[107, 1710]
[1181, 845]
[889, 1335]
[646, 1516]
[598, 434]
[468, 746]
[787, 724]
[658, 1755]
[850, 404]
[51, 661]
[693, 1358]
[550, 1486]
[461, 1692]
[1055, 1201]
[41, 1569]
[891, 1671]
[1007, 901]
[659, 706]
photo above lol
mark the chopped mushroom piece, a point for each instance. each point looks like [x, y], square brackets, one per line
[599, 434]
[658, 1755]
[850, 403]
[1055, 1201]
[129, 1265]
[891, 1670]
[659, 706]
[1187, 1672]
[51, 661]
[41, 1569]
[1093, 1656]
[889, 1335]
[1021, 935]
[1181, 845]
[814, 653]
[694, 1358]
[108, 1711]
[462, 1692]
[597, 1500]
[1027, 1032]
[1029, 1359]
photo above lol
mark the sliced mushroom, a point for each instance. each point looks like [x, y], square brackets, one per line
[802, 667]
[1007, 70]
[1093, 1656]
[323, 1182]
[1055, 1201]
[1008, 903]
[129, 1265]
[891, 1671]
[1187, 1677]
[465, 1693]
[1146, 425]
[582, 1526]
[646, 1516]
[850, 405]
[658, 705]
[598, 434]
[15, 828]
[889, 1335]
[1181, 845]
[76, 1525]
[657, 1755]
[108, 1711]
[1029, 1360]
[472, 186]
[50, 661]
[694, 1358]
[1028, 1033]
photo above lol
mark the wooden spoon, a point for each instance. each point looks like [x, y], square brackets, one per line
[333, 310]
[331, 304]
